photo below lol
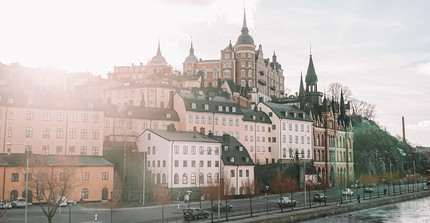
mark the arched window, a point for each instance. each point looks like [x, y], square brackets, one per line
[227, 74]
[250, 73]
[193, 178]
[201, 178]
[322, 140]
[184, 178]
[209, 178]
[308, 153]
[105, 193]
[323, 156]
[318, 140]
[291, 152]
[13, 195]
[158, 178]
[176, 179]
[284, 153]
[85, 193]
[318, 156]
[303, 153]
[243, 83]
[163, 179]
[242, 73]
[250, 83]
[216, 176]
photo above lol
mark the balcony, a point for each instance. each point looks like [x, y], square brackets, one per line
[261, 81]
[262, 73]
[273, 88]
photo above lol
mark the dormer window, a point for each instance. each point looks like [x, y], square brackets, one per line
[247, 159]
[225, 148]
[206, 107]
[168, 115]
[90, 105]
[241, 148]
[30, 101]
[233, 109]
[10, 100]
[232, 159]
[193, 105]
[227, 109]
[129, 113]
[253, 117]
[219, 108]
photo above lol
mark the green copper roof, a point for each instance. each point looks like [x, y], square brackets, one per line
[311, 76]
[191, 57]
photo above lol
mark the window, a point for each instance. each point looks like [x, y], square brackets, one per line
[231, 173]
[209, 178]
[85, 193]
[95, 150]
[46, 116]
[40, 195]
[251, 128]
[193, 105]
[83, 150]
[216, 120]
[193, 163]
[96, 118]
[45, 150]
[95, 134]
[59, 133]
[201, 178]
[209, 150]
[107, 123]
[63, 176]
[176, 178]
[206, 107]
[29, 115]
[84, 133]
[185, 179]
[209, 119]
[72, 134]
[201, 163]
[71, 150]
[197, 119]
[84, 117]
[216, 163]
[190, 119]
[233, 109]
[193, 178]
[176, 149]
[201, 150]
[220, 108]
[46, 133]
[10, 115]
[296, 127]
[176, 163]
[59, 150]
[185, 163]
[85, 176]
[9, 132]
[223, 120]
[230, 121]
[28, 132]
[164, 163]
[15, 177]
[247, 173]
[240, 173]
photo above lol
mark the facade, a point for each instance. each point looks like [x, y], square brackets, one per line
[291, 132]
[51, 123]
[91, 176]
[181, 159]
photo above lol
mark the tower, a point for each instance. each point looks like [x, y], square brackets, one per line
[312, 94]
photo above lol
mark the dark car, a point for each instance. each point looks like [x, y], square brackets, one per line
[222, 207]
[195, 213]
[318, 197]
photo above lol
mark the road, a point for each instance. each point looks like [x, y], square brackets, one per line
[173, 213]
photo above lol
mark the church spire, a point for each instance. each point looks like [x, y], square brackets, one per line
[244, 26]
[158, 50]
[311, 77]
[342, 107]
[244, 37]
[301, 88]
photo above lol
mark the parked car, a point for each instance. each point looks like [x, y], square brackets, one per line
[347, 191]
[194, 213]
[318, 197]
[223, 207]
[286, 201]
[5, 204]
[368, 190]
[19, 202]
[428, 182]
[62, 201]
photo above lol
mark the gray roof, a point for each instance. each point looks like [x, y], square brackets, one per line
[212, 101]
[244, 37]
[311, 76]
[255, 116]
[19, 159]
[233, 151]
[182, 136]
[144, 113]
[287, 111]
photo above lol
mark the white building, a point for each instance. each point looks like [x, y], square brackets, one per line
[291, 131]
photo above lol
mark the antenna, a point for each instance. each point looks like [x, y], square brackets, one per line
[310, 48]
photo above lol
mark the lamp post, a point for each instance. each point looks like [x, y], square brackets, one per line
[267, 199]
[27, 151]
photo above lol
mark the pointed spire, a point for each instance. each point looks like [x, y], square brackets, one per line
[274, 57]
[191, 49]
[301, 88]
[342, 106]
[244, 37]
[311, 77]
[230, 46]
[244, 27]
[158, 50]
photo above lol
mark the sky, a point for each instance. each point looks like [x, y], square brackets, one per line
[379, 49]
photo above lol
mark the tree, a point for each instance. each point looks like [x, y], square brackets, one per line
[227, 192]
[53, 180]
[3, 214]
[282, 184]
[115, 199]
[252, 189]
[161, 195]
[335, 89]
[211, 193]
[362, 109]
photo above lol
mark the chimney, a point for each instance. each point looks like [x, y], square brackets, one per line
[171, 127]
[170, 106]
[194, 132]
[210, 134]
[226, 138]
[403, 128]
[202, 130]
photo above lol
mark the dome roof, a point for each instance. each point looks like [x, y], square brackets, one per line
[191, 58]
[244, 37]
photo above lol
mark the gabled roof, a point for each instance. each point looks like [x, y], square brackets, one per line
[213, 101]
[255, 116]
[19, 159]
[287, 111]
[182, 136]
[241, 158]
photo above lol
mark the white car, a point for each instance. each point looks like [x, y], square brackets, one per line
[5, 204]
[347, 191]
[19, 202]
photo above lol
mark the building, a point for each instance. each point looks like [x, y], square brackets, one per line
[91, 177]
[157, 66]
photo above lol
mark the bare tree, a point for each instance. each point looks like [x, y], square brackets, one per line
[161, 195]
[3, 214]
[53, 180]
[115, 199]
[282, 184]
[335, 89]
[363, 109]
[227, 192]
[252, 189]
[211, 193]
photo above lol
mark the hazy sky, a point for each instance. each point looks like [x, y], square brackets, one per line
[380, 49]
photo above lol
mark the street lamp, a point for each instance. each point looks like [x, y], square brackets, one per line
[267, 199]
